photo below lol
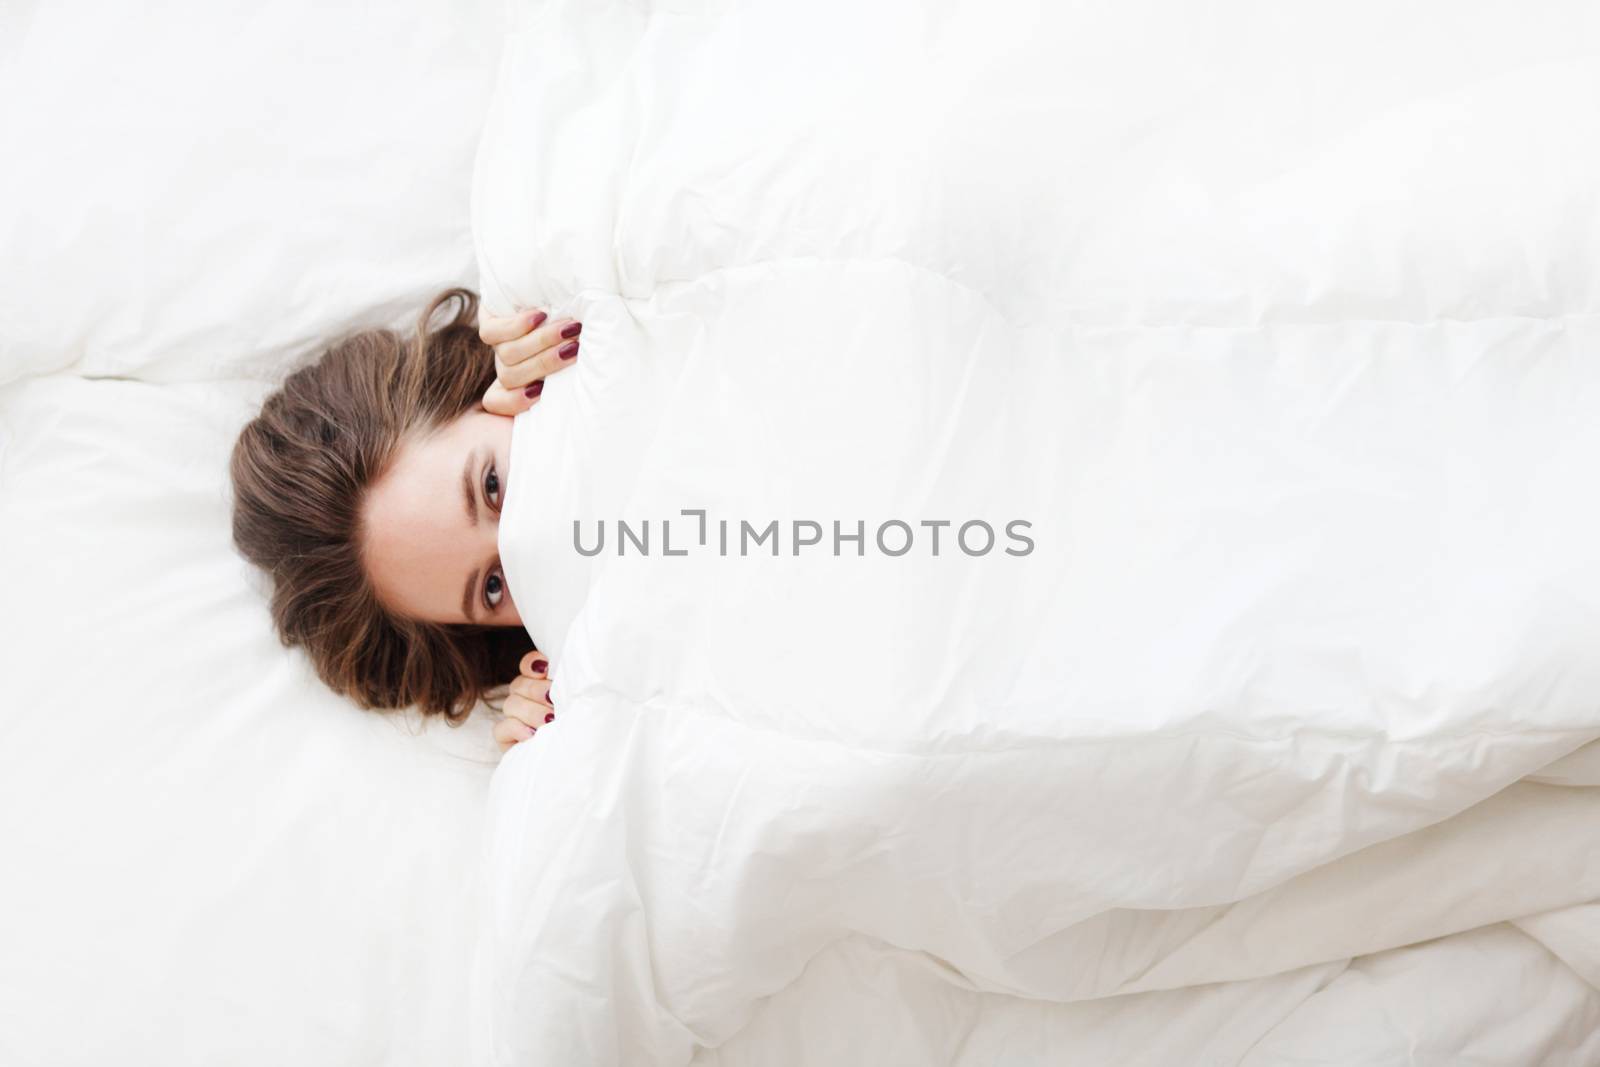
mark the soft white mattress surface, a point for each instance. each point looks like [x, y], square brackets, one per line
[1279, 332]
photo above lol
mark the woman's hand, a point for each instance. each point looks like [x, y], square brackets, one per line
[528, 707]
[528, 347]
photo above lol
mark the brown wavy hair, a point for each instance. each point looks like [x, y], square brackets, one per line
[300, 471]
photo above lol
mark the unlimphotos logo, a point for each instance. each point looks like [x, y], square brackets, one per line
[891, 537]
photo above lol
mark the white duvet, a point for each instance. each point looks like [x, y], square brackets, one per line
[1265, 337]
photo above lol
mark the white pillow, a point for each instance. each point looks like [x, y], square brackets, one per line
[210, 857]
[205, 192]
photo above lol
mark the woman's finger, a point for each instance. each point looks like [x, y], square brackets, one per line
[530, 713]
[553, 334]
[508, 732]
[498, 329]
[524, 711]
[536, 690]
[535, 664]
[522, 375]
[498, 400]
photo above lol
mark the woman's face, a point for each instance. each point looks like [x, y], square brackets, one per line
[431, 524]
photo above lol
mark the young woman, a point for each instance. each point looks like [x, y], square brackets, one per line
[369, 489]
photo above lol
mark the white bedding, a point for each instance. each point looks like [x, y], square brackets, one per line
[205, 856]
[209, 859]
[209, 191]
[1278, 329]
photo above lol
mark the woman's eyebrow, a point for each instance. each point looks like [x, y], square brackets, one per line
[468, 601]
[469, 500]
[469, 495]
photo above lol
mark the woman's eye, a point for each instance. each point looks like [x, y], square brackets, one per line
[494, 590]
[491, 488]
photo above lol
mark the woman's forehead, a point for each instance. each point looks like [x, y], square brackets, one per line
[424, 525]
[416, 533]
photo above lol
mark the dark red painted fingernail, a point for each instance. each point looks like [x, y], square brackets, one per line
[569, 350]
[533, 390]
[572, 331]
[549, 716]
[537, 320]
[538, 665]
